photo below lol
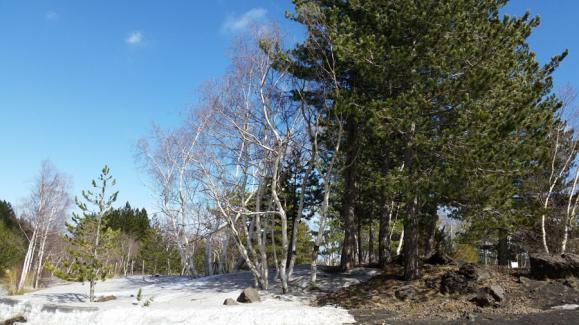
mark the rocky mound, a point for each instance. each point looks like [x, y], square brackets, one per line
[482, 292]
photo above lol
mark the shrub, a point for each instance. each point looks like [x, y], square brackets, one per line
[467, 253]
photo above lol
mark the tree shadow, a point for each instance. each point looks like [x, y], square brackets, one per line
[64, 297]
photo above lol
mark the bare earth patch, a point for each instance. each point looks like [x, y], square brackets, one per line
[375, 299]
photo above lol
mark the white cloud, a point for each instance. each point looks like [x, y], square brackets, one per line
[238, 23]
[51, 15]
[134, 38]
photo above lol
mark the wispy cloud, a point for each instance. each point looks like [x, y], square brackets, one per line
[235, 23]
[134, 38]
[51, 15]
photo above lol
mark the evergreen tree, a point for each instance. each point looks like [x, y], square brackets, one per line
[131, 221]
[12, 239]
[88, 238]
[452, 87]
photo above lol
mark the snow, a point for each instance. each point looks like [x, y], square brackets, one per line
[566, 307]
[182, 300]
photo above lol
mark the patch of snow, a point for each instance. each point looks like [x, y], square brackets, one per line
[182, 300]
[566, 307]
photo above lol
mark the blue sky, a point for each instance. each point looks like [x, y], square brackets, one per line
[82, 81]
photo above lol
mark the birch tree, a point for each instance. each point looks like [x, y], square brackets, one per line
[254, 127]
[44, 210]
[169, 159]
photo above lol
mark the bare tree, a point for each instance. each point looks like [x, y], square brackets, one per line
[563, 155]
[254, 127]
[169, 158]
[44, 210]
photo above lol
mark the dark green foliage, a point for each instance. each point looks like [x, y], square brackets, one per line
[12, 240]
[134, 222]
[445, 105]
[159, 253]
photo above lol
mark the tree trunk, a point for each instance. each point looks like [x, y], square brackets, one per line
[503, 257]
[411, 271]
[39, 262]
[359, 242]
[292, 243]
[91, 290]
[384, 255]
[349, 197]
[430, 242]
[370, 240]
[27, 260]
[400, 243]
[209, 256]
[300, 212]
[320, 236]
[223, 256]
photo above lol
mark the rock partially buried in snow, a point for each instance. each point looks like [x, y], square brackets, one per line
[15, 319]
[105, 298]
[249, 295]
[230, 302]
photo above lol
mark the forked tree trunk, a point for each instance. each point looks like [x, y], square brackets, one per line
[28, 260]
[40, 263]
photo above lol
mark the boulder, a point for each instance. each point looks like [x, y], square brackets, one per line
[230, 302]
[497, 292]
[473, 272]
[483, 299]
[489, 296]
[105, 298]
[405, 293]
[545, 266]
[454, 282]
[249, 295]
[439, 258]
[19, 318]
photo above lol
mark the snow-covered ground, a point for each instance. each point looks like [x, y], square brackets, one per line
[181, 300]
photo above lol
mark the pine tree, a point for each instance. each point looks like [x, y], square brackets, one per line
[453, 88]
[88, 238]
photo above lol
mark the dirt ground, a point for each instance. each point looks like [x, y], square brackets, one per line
[527, 301]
